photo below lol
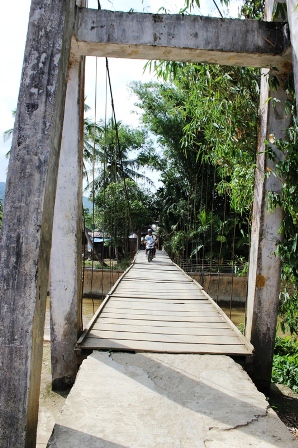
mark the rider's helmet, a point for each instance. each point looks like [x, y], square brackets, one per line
[149, 230]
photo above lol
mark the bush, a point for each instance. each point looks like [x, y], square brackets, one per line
[285, 362]
[122, 265]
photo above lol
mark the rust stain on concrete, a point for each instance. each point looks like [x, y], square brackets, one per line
[260, 281]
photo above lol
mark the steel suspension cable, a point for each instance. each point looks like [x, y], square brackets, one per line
[211, 227]
[220, 249]
[218, 9]
[93, 186]
[118, 141]
[233, 265]
[104, 189]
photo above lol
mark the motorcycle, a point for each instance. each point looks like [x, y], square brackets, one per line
[150, 252]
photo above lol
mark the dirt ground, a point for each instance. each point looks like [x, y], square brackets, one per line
[50, 403]
[285, 403]
[283, 400]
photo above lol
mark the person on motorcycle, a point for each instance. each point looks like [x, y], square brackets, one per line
[150, 240]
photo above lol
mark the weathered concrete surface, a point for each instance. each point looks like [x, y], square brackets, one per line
[66, 253]
[265, 266]
[293, 24]
[28, 210]
[161, 400]
[181, 37]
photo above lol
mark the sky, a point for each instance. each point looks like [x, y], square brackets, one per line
[13, 30]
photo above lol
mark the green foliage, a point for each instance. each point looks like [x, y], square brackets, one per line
[205, 122]
[287, 346]
[280, 11]
[108, 147]
[88, 218]
[285, 363]
[288, 305]
[241, 327]
[190, 4]
[253, 9]
[122, 265]
[121, 208]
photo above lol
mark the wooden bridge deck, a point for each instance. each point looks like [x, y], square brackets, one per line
[156, 307]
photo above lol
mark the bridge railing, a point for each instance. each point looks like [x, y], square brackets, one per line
[213, 267]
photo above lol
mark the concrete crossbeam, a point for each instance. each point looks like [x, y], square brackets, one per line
[180, 37]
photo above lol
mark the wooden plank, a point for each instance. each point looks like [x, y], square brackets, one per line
[170, 324]
[158, 292]
[132, 300]
[160, 272]
[162, 313]
[158, 278]
[162, 287]
[163, 296]
[161, 305]
[161, 337]
[163, 347]
[151, 329]
[168, 279]
[152, 317]
[101, 307]
[163, 300]
[160, 309]
[223, 314]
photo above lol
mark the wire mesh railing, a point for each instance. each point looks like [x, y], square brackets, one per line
[209, 267]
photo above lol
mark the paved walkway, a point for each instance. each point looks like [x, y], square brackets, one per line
[154, 400]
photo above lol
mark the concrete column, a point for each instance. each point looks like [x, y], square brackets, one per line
[293, 24]
[264, 266]
[66, 254]
[28, 217]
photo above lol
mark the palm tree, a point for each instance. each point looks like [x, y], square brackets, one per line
[107, 148]
[7, 135]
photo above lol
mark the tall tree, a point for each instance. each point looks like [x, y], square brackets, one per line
[109, 149]
[123, 207]
[205, 121]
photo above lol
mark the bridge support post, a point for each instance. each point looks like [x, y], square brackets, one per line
[28, 217]
[66, 254]
[293, 25]
[264, 266]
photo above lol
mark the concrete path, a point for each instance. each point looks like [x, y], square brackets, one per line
[126, 400]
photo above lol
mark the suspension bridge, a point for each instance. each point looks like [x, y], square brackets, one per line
[151, 396]
[158, 374]
[156, 307]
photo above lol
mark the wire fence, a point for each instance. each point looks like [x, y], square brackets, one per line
[213, 267]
